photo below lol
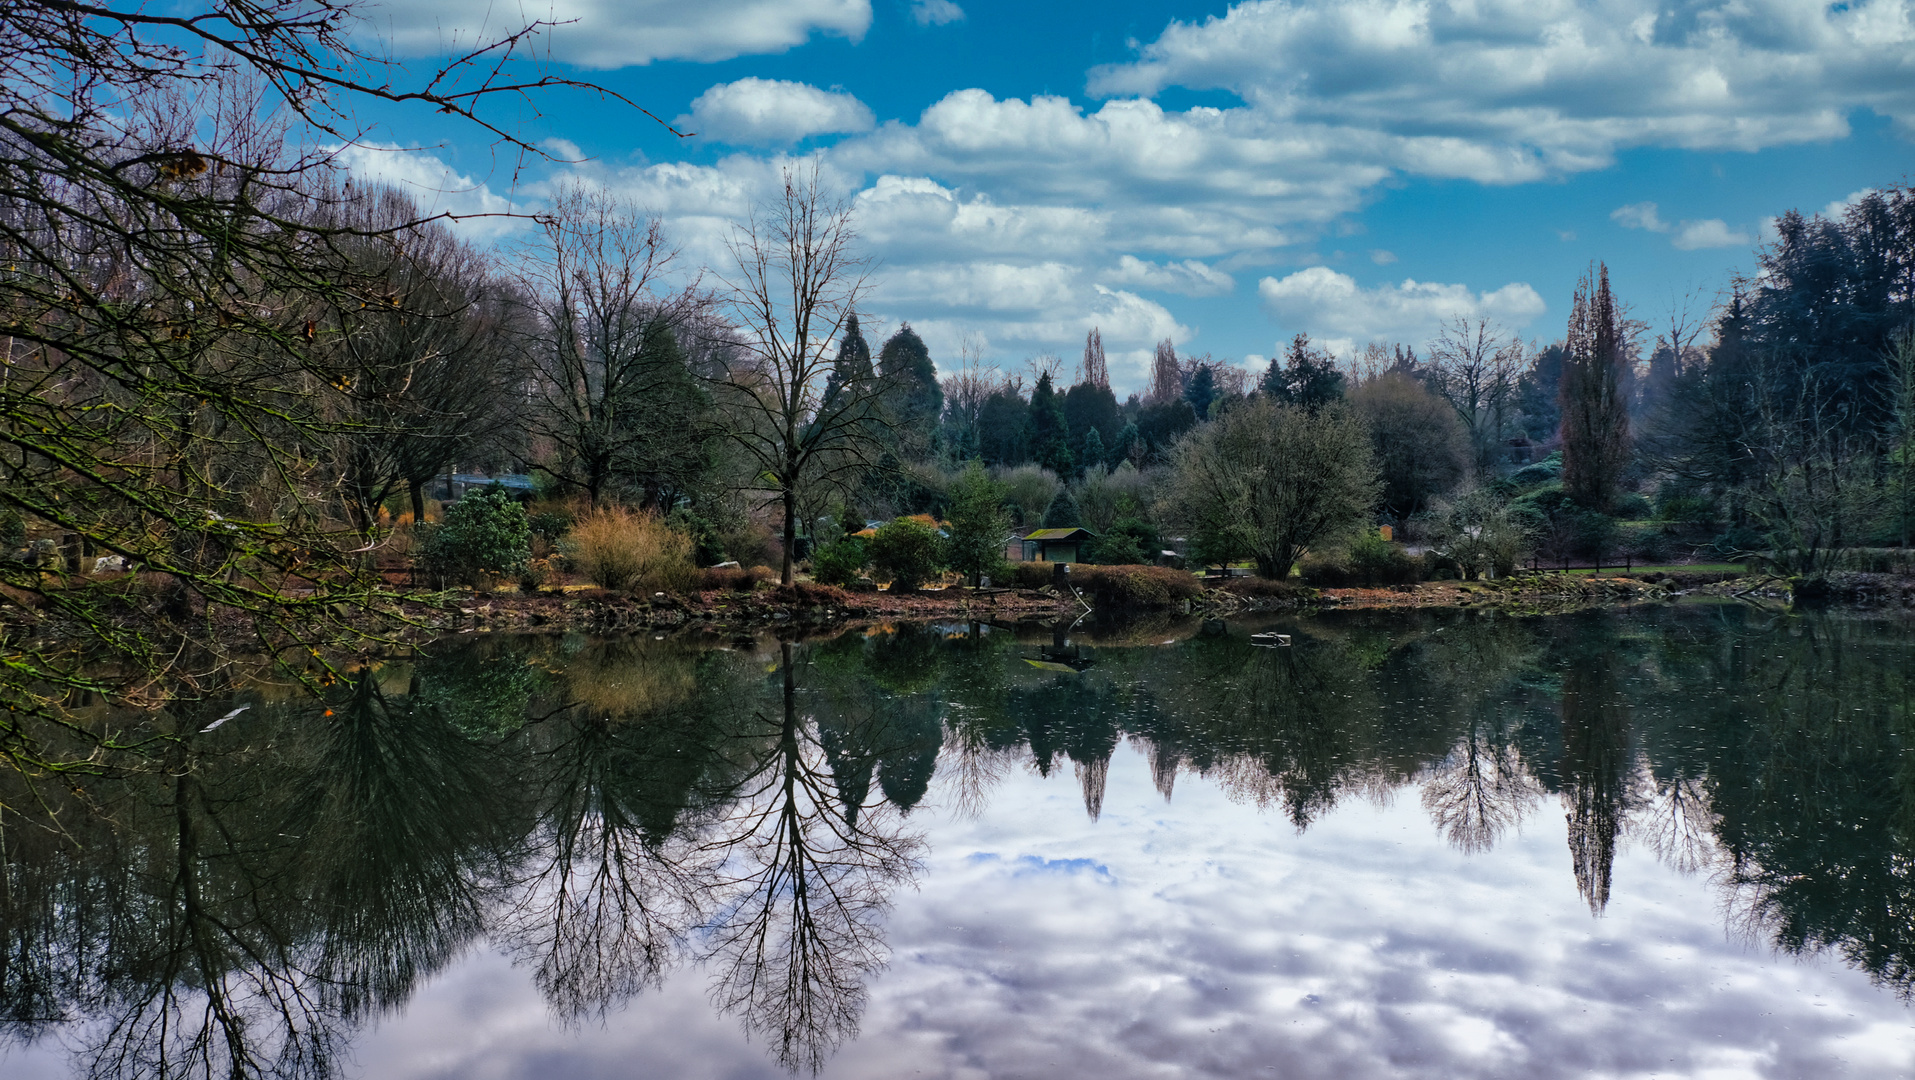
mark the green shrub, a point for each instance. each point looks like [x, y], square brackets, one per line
[907, 553]
[1547, 471]
[840, 563]
[550, 524]
[1370, 561]
[1129, 541]
[1376, 561]
[1632, 506]
[1135, 586]
[708, 549]
[13, 530]
[485, 536]
[1029, 575]
[1678, 503]
[1644, 543]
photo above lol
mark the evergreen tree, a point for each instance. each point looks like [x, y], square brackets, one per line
[1306, 376]
[1063, 512]
[1161, 422]
[1537, 390]
[1002, 438]
[1050, 435]
[979, 523]
[1595, 412]
[1126, 444]
[1092, 453]
[916, 398]
[854, 359]
[1201, 391]
[1092, 405]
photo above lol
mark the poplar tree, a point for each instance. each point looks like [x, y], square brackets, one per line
[1595, 413]
[1096, 372]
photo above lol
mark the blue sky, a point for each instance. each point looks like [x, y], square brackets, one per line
[1225, 175]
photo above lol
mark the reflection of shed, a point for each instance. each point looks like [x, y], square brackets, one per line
[1056, 545]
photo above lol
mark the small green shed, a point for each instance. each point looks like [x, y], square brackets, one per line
[1057, 545]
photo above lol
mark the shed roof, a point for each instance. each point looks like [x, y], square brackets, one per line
[1060, 534]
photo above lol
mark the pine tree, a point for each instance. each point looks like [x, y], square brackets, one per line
[1595, 412]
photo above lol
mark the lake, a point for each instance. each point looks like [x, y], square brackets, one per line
[1676, 841]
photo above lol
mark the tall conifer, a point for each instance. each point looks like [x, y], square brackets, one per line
[1595, 411]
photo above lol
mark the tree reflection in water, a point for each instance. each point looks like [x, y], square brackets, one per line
[611, 812]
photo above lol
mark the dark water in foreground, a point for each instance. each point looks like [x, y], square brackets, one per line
[1670, 843]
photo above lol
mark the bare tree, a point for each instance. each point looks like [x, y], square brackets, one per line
[613, 388]
[1043, 364]
[966, 392]
[795, 280]
[807, 890]
[425, 370]
[167, 393]
[1166, 378]
[1095, 371]
[1474, 367]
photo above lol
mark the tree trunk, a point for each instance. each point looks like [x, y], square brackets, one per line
[791, 532]
[418, 502]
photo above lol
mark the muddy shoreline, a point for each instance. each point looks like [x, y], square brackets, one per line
[766, 607]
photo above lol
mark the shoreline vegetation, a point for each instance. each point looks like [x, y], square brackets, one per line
[254, 407]
[1108, 595]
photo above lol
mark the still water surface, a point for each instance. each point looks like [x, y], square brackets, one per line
[1670, 843]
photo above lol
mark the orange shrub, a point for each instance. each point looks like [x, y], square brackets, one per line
[622, 549]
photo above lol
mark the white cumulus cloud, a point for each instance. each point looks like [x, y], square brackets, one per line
[754, 110]
[936, 12]
[623, 33]
[1480, 86]
[1188, 276]
[1689, 235]
[1640, 215]
[1709, 233]
[479, 212]
[1342, 315]
[1835, 211]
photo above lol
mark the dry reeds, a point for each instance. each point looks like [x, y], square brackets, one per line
[622, 549]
